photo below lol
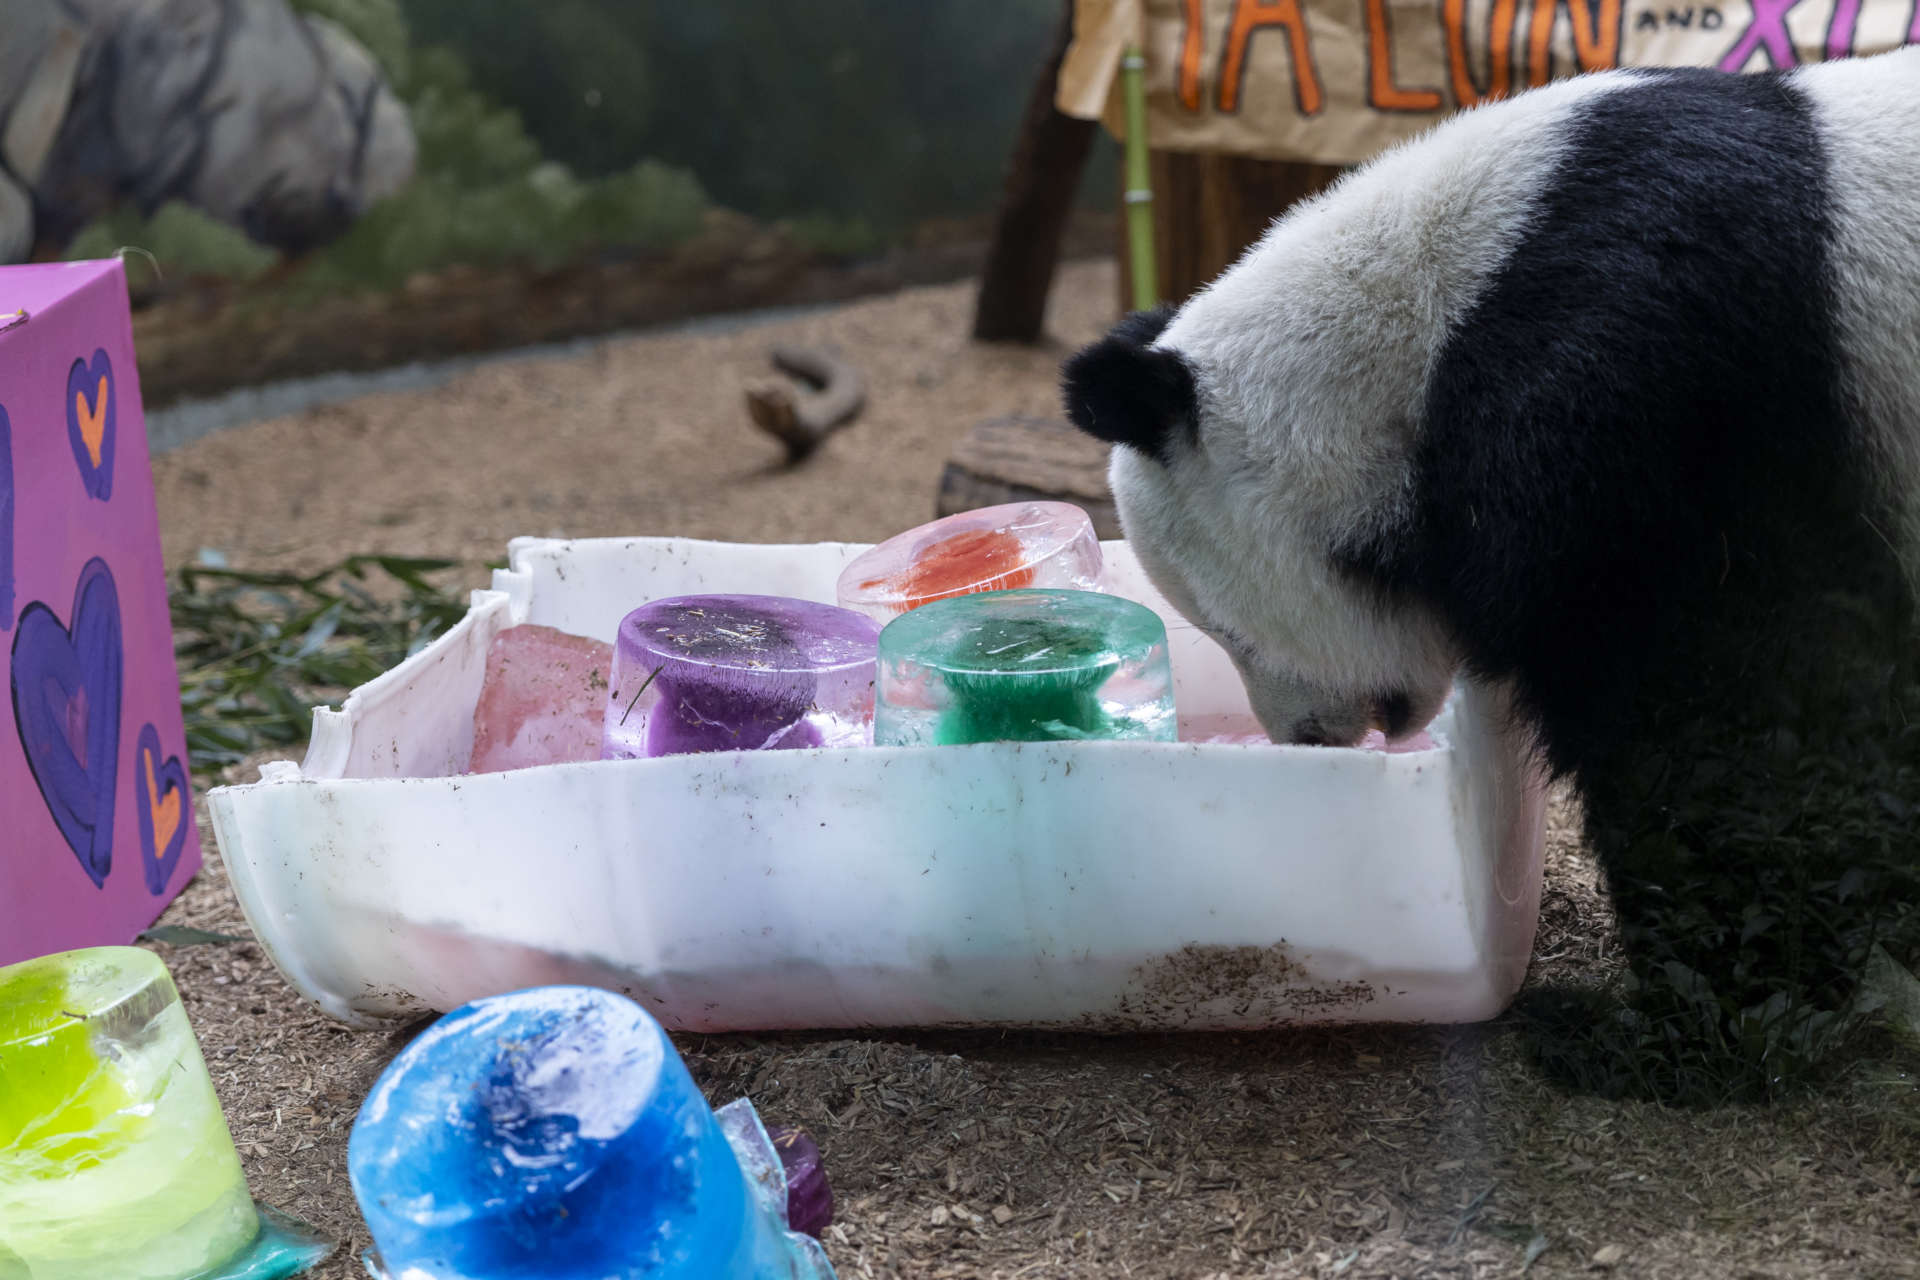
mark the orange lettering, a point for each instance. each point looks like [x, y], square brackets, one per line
[1596, 40]
[1500, 41]
[1190, 58]
[1250, 16]
[1382, 92]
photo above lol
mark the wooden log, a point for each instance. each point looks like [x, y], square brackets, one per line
[1042, 177]
[1208, 208]
[1028, 459]
[801, 419]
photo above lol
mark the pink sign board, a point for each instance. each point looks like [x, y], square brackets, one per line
[96, 819]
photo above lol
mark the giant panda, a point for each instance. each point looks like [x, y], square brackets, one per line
[1606, 394]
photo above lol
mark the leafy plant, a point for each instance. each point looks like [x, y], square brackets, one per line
[181, 238]
[258, 650]
[838, 237]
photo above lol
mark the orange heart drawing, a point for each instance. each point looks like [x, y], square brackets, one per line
[166, 813]
[93, 421]
[160, 795]
[90, 428]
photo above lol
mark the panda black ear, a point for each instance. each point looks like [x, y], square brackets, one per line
[1143, 328]
[1122, 391]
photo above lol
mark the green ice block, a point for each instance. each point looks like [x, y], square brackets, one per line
[1024, 666]
[115, 1160]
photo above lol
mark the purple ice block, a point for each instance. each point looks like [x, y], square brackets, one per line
[809, 1196]
[739, 673]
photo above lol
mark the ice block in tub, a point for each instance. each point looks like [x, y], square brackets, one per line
[1102, 885]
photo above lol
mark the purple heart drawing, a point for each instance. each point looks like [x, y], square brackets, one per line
[91, 415]
[66, 703]
[6, 521]
[161, 796]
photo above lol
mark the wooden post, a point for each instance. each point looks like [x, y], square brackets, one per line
[1043, 176]
[1208, 208]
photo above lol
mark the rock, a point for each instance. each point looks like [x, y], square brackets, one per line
[1020, 459]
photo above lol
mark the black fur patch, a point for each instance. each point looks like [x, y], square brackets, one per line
[1644, 498]
[1143, 328]
[1636, 452]
[1396, 714]
[1121, 391]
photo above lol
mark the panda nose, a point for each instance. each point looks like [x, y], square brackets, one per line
[1393, 714]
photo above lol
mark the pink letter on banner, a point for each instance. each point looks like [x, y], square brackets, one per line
[1846, 16]
[1768, 29]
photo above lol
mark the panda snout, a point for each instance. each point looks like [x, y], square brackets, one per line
[1316, 731]
[1299, 714]
[1392, 715]
[1308, 732]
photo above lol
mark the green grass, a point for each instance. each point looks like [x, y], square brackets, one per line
[258, 650]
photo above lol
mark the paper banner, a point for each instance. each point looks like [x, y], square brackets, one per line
[1335, 81]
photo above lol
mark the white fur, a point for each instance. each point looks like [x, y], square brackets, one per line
[1311, 355]
[1868, 115]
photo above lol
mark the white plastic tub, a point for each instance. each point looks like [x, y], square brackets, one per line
[1101, 886]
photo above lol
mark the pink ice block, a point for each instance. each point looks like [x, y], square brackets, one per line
[1003, 548]
[1239, 732]
[542, 701]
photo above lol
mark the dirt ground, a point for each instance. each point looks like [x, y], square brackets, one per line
[642, 436]
[201, 336]
[1366, 1152]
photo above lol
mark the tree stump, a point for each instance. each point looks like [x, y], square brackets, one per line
[1026, 460]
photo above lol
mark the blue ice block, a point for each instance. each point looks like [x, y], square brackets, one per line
[554, 1134]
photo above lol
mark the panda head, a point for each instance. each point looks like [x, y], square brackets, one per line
[1272, 429]
[1253, 461]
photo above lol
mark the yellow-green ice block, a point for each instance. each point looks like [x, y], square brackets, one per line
[115, 1160]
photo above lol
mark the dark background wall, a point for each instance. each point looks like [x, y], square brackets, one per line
[874, 113]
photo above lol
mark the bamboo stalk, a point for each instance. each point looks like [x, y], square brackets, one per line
[1139, 193]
